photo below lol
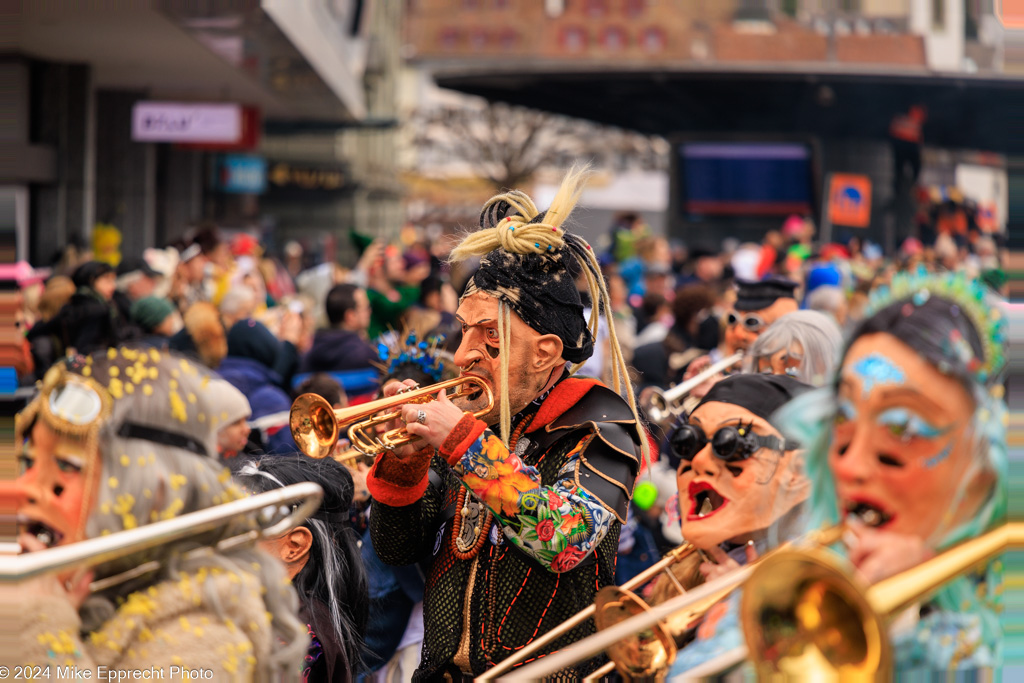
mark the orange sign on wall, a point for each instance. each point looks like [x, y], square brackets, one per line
[1010, 13]
[849, 200]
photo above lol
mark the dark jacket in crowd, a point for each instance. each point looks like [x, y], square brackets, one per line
[262, 386]
[338, 350]
[253, 353]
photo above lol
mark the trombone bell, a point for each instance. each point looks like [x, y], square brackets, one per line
[803, 618]
[646, 654]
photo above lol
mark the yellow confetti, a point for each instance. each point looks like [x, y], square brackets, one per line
[155, 355]
[112, 482]
[111, 353]
[115, 371]
[191, 397]
[178, 411]
[201, 417]
[141, 461]
[177, 481]
[146, 493]
[148, 390]
[125, 461]
[153, 373]
[173, 384]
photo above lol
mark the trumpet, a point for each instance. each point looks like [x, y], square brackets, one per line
[662, 566]
[641, 639]
[663, 406]
[300, 501]
[803, 615]
[316, 425]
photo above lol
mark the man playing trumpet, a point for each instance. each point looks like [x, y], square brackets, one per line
[519, 510]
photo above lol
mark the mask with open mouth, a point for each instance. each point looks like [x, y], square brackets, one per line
[58, 433]
[736, 499]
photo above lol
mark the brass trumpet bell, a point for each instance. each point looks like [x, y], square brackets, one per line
[316, 425]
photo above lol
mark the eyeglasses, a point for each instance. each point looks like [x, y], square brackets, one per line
[732, 443]
[751, 322]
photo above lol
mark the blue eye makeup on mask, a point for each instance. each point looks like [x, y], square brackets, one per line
[845, 412]
[906, 425]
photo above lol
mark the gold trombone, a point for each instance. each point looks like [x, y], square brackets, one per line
[674, 556]
[641, 639]
[273, 513]
[316, 424]
[803, 616]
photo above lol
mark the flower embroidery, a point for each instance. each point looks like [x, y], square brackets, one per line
[567, 559]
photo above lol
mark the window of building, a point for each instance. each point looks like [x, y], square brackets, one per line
[614, 39]
[596, 8]
[450, 38]
[574, 38]
[653, 39]
[478, 39]
[508, 39]
[939, 15]
[634, 8]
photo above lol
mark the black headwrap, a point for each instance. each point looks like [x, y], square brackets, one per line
[760, 394]
[540, 288]
[754, 295]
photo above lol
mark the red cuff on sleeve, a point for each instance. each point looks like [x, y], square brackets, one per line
[399, 482]
[461, 438]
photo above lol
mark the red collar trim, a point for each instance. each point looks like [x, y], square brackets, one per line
[564, 396]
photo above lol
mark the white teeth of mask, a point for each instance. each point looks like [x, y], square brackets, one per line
[705, 507]
[45, 538]
[871, 517]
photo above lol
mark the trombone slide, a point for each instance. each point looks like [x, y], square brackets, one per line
[671, 557]
[96, 551]
[708, 593]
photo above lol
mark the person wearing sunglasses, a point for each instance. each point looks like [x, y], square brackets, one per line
[758, 305]
[741, 491]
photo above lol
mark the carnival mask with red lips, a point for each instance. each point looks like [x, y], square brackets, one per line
[723, 496]
[902, 441]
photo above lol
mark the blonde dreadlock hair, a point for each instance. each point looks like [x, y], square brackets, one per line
[523, 229]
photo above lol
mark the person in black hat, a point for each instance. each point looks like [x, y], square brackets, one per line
[742, 490]
[549, 468]
[758, 305]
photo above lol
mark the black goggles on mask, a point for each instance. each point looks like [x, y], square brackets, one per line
[750, 321]
[731, 443]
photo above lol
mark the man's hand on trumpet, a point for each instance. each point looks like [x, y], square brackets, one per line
[431, 422]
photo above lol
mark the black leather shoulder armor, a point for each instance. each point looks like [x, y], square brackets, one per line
[609, 464]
